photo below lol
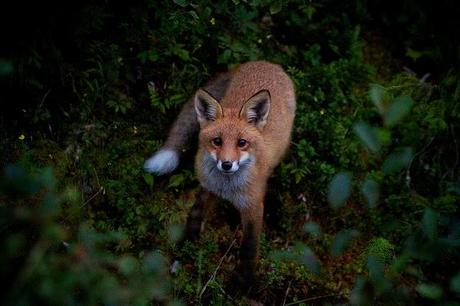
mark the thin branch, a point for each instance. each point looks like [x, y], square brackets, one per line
[97, 177]
[213, 276]
[223, 291]
[93, 196]
[44, 98]
[287, 292]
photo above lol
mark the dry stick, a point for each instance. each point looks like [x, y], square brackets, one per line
[314, 298]
[287, 292]
[213, 276]
[101, 188]
[223, 291]
[93, 196]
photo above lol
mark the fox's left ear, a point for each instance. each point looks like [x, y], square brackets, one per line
[207, 108]
[256, 109]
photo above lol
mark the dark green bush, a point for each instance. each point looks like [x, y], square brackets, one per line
[91, 88]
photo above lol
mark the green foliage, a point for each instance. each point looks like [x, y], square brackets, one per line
[341, 241]
[301, 254]
[91, 93]
[424, 244]
[47, 263]
[339, 189]
[371, 191]
[381, 249]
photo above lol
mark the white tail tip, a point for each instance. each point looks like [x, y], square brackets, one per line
[162, 162]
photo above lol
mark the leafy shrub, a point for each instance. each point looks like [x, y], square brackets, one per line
[91, 92]
[46, 263]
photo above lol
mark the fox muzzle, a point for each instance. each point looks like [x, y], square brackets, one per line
[228, 167]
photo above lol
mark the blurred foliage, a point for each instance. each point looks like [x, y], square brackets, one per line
[90, 88]
[46, 262]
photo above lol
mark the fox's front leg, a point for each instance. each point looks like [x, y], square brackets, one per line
[252, 220]
[203, 200]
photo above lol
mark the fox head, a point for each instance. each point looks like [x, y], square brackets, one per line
[231, 138]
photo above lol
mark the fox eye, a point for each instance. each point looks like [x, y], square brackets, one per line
[217, 141]
[242, 143]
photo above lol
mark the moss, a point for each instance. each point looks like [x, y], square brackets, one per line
[381, 249]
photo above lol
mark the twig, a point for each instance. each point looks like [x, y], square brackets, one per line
[93, 196]
[314, 298]
[223, 291]
[213, 276]
[44, 98]
[424, 78]
[287, 292]
[101, 188]
[97, 177]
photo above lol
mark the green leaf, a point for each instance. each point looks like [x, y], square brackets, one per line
[182, 3]
[300, 253]
[397, 110]
[430, 224]
[309, 259]
[282, 255]
[430, 291]
[377, 276]
[6, 67]
[377, 94]
[400, 263]
[181, 53]
[359, 295]
[175, 232]
[371, 191]
[398, 160]
[148, 178]
[276, 7]
[339, 189]
[455, 283]
[413, 54]
[50, 204]
[313, 229]
[375, 269]
[224, 57]
[127, 265]
[454, 188]
[194, 15]
[368, 136]
[341, 241]
[176, 180]
[383, 135]
[155, 263]
[47, 179]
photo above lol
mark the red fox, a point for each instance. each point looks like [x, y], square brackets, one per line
[244, 118]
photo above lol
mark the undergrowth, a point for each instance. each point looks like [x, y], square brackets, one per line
[365, 206]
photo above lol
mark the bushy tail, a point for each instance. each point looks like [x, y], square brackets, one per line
[167, 158]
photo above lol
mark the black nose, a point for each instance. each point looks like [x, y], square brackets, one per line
[227, 165]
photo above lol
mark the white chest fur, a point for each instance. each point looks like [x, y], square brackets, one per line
[233, 188]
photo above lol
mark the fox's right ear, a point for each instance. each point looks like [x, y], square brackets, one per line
[207, 107]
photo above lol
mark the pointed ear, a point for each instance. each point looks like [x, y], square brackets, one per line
[256, 109]
[207, 107]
